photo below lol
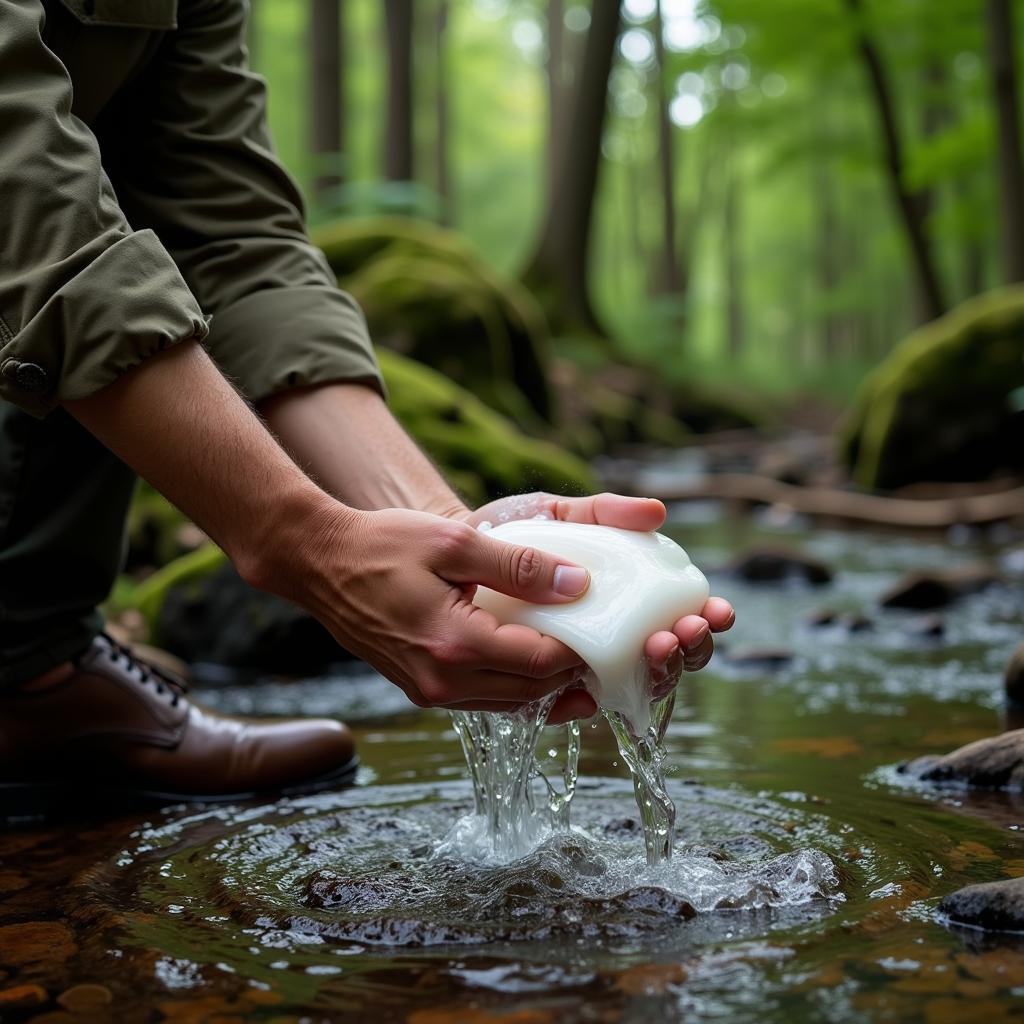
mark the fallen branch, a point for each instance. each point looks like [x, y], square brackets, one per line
[833, 503]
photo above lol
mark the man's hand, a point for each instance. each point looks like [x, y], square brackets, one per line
[395, 587]
[688, 646]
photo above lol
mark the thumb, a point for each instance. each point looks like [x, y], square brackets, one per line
[522, 572]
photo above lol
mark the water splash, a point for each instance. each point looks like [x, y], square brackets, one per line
[509, 821]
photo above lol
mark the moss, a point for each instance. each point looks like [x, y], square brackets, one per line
[481, 450]
[940, 406]
[427, 293]
[148, 596]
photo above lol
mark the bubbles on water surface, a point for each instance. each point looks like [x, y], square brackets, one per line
[367, 867]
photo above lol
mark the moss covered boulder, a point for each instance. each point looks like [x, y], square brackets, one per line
[480, 451]
[428, 294]
[945, 404]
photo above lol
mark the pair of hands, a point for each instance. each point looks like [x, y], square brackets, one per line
[399, 589]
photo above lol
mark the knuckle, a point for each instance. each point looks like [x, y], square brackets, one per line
[540, 664]
[452, 540]
[435, 690]
[446, 653]
[527, 565]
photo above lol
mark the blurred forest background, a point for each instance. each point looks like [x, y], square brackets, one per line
[781, 188]
[588, 228]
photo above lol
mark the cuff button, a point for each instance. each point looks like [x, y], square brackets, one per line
[30, 377]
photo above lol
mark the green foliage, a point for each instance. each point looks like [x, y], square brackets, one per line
[942, 405]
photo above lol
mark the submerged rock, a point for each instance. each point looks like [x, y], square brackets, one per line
[758, 659]
[926, 590]
[996, 762]
[1013, 680]
[994, 906]
[776, 564]
[944, 405]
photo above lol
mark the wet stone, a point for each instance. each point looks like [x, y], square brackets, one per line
[779, 565]
[759, 659]
[85, 998]
[35, 942]
[19, 997]
[1013, 680]
[996, 762]
[924, 591]
[994, 906]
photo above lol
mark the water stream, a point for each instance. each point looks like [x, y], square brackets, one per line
[803, 884]
[508, 819]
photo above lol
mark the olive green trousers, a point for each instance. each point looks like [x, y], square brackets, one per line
[63, 505]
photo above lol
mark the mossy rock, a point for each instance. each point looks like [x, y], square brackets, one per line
[430, 295]
[942, 404]
[478, 448]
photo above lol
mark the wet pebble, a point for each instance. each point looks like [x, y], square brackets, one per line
[85, 998]
[759, 659]
[777, 565]
[994, 906]
[19, 997]
[35, 942]
[925, 591]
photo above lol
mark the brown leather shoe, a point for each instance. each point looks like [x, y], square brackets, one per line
[118, 730]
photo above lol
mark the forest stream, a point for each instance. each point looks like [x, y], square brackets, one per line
[805, 882]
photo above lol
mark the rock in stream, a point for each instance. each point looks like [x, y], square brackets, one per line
[994, 906]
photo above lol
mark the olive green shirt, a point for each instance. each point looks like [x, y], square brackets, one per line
[141, 204]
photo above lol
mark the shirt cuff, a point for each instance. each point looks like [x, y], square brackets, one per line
[126, 304]
[291, 336]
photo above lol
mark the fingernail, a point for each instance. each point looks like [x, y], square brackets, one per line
[571, 580]
[698, 638]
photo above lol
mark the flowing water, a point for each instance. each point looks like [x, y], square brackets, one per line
[508, 820]
[803, 885]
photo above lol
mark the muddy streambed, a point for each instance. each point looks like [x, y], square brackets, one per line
[804, 887]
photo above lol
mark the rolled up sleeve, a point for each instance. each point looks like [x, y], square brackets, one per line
[83, 296]
[191, 157]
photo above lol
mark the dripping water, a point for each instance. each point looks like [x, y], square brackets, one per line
[509, 820]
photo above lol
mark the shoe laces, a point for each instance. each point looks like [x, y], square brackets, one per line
[165, 682]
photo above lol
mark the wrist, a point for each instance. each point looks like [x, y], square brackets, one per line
[285, 556]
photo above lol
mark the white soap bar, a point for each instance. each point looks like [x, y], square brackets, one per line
[640, 583]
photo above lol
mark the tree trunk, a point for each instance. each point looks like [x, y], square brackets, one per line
[556, 91]
[444, 177]
[326, 85]
[669, 270]
[1002, 56]
[398, 141]
[907, 204]
[558, 270]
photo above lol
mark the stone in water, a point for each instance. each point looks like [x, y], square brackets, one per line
[640, 583]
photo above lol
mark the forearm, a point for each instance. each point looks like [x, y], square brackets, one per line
[179, 424]
[345, 437]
